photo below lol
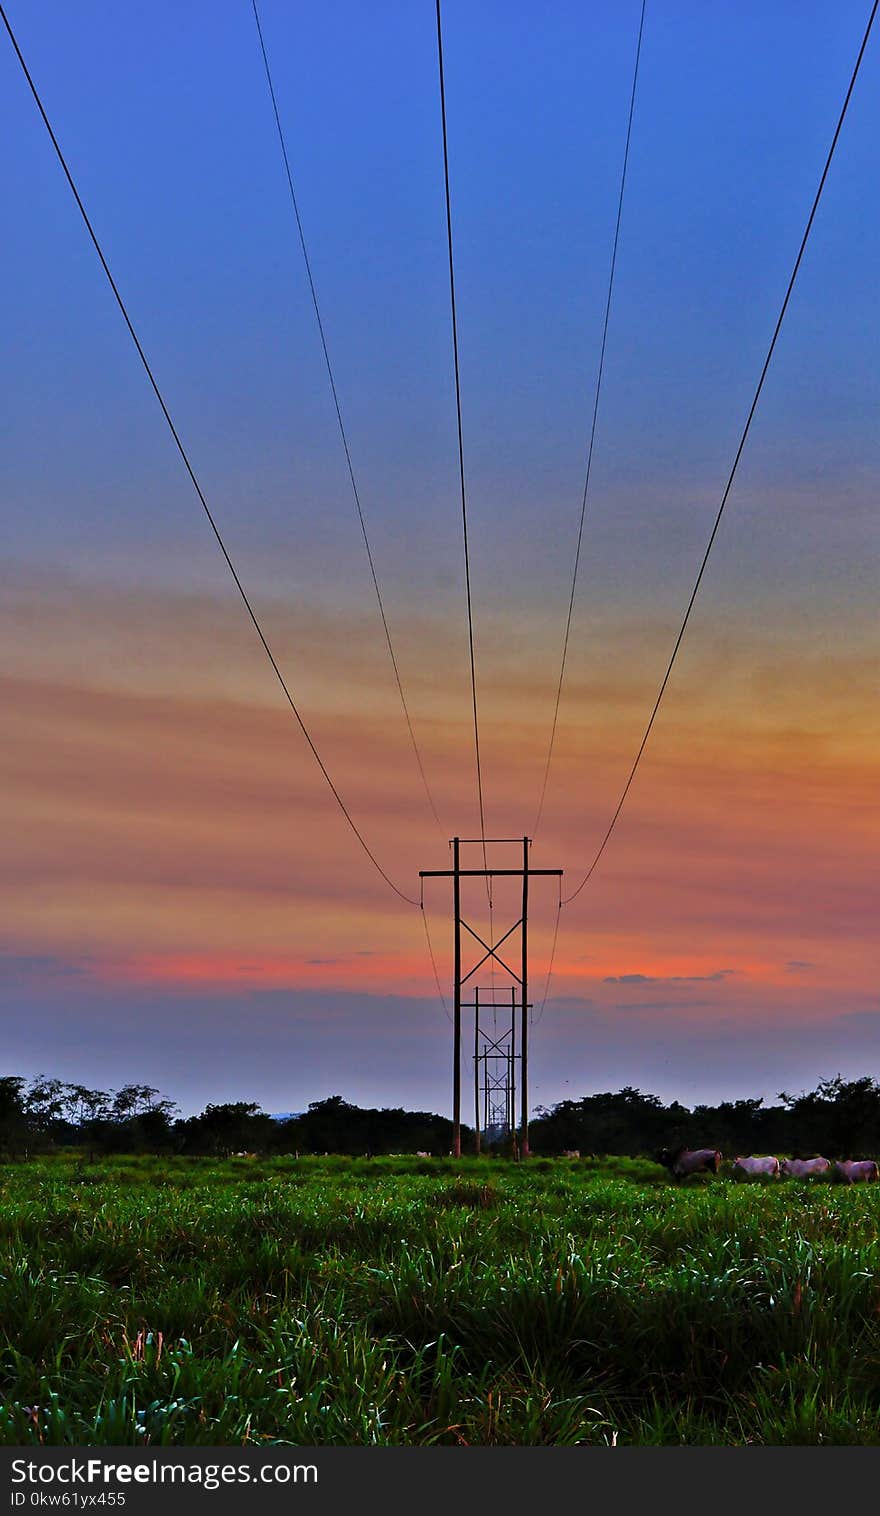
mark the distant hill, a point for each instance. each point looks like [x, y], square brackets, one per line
[285, 1115]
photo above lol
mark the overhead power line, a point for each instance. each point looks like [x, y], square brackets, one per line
[342, 432]
[742, 442]
[548, 981]
[596, 396]
[189, 468]
[464, 521]
[433, 958]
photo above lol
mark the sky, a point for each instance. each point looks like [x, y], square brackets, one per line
[181, 902]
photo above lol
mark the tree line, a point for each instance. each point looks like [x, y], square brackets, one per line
[43, 1113]
[839, 1119]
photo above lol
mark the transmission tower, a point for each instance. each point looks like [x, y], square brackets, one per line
[520, 980]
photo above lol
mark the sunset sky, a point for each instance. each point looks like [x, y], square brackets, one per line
[182, 902]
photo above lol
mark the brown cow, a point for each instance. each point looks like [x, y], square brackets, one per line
[691, 1161]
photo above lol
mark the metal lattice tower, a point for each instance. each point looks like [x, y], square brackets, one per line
[500, 1092]
[495, 1060]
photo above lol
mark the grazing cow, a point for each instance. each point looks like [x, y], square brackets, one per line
[691, 1161]
[423, 1155]
[756, 1168]
[851, 1171]
[805, 1168]
[572, 1153]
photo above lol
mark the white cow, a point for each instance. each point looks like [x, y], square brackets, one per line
[691, 1161]
[805, 1168]
[572, 1153]
[851, 1171]
[756, 1168]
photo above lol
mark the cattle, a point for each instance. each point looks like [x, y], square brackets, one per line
[849, 1171]
[756, 1168]
[805, 1168]
[423, 1155]
[691, 1161]
[572, 1153]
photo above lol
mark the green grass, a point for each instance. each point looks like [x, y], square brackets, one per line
[408, 1301]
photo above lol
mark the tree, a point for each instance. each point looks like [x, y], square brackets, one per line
[232, 1127]
[83, 1105]
[88, 1112]
[136, 1100]
[14, 1127]
[138, 1120]
[44, 1101]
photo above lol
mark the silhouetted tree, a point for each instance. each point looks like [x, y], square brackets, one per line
[14, 1127]
[233, 1127]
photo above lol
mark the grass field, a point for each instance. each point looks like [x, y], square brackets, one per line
[411, 1301]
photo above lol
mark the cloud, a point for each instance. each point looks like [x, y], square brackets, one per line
[17, 968]
[663, 1005]
[868, 1020]
[575, 1004]
[798, 966]
[717, 977]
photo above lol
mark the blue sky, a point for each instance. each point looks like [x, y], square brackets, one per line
[166, 121]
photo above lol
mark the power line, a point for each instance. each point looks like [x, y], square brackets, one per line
[596, 396]
[189, 468]
[434, 960]
[536, 1020]
[338, 409]
[742, 442]
[467, 569]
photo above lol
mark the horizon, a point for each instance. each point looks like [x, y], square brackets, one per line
[180, 1112]
[181, 899]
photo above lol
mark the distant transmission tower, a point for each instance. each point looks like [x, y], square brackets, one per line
[495, 1059]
